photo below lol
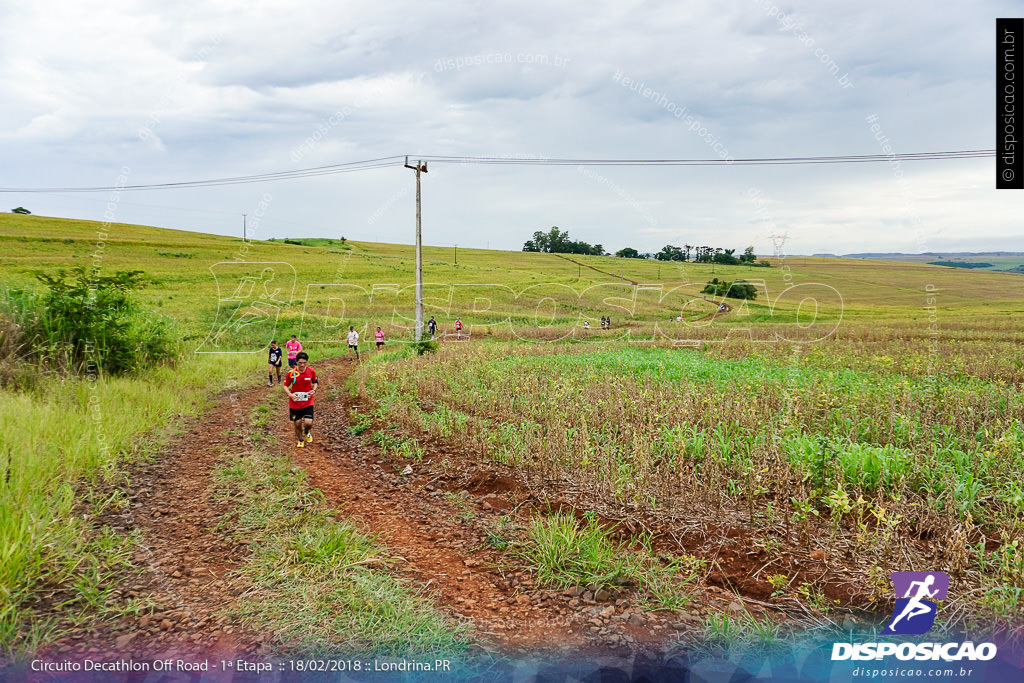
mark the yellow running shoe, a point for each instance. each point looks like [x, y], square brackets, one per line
[309, 437]
[300, 444]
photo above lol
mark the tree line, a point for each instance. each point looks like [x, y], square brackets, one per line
[557, 241]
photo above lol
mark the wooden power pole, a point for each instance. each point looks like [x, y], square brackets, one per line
[420, 167]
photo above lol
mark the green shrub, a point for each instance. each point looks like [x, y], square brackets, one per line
[424, 346]
[737, 289]
[83, 324]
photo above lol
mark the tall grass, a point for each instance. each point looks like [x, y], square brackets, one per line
[61, 440]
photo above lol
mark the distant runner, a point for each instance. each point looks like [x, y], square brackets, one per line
[353, 341]
[379, 337]
[458, 328]
[274, 362]
[294, 346]
[432, 326]
[301, 384]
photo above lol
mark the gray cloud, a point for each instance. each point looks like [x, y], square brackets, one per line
[184, 92]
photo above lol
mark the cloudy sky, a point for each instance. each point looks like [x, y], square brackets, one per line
[179, 91]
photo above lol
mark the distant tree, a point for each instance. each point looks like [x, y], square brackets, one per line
[21, 209]
[725, 256]
[628, 252]
[961, 264]
[748, 255]
[741, 289]
[557, 241]
[737, 289]
[669, 253]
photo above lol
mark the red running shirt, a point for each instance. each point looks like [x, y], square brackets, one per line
[303, 381]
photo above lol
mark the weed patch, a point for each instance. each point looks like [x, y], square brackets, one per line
[564, 552]
[321, 585]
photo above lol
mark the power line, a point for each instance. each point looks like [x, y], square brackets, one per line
[384, 162]
[264, 220]
[916, 156]
[238, 180]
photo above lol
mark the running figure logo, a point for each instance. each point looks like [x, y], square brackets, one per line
[250, 296]
[915, 608]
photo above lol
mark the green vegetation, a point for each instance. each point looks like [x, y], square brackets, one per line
[737, 289]
[84, 325]
[961, 264]
[850, 445]
[565, 552]
[743, 630]
[557, 242]
[315, 242]
[83, 437]
[892, 428]
[320, 585]
[705, 254]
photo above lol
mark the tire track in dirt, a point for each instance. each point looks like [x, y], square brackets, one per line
[603, 272]
[437, 536]
[185, 564]
[422, 528]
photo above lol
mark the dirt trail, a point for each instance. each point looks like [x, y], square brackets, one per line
[603, 272]
[185, 564]
[438, 527]
[722, 309]
[442, 521]
[434, 520]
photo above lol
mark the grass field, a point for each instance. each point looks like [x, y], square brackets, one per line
[867, 425]
[997, 261]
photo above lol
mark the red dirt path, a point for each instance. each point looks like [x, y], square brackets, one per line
[435, 520]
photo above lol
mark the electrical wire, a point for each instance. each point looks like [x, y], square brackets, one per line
[918, 156]
[383, 162]
[238, 180]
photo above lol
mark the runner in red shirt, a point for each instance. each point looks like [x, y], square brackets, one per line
[300, 385]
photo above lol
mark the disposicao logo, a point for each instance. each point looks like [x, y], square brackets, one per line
[916, 593]
[914, 614]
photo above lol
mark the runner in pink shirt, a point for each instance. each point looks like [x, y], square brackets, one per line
[294, 346]
[379, 338]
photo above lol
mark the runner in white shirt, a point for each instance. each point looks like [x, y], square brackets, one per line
[353, 341]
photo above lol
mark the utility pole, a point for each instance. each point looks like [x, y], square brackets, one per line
[243, 226]
[420, 167]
